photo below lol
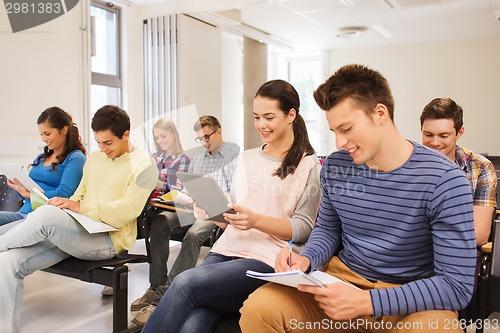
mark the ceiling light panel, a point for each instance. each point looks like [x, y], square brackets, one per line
[334, 19]
[267, 11]
[383, 31]
[414, 3]
[308, 5]
[473, 25]
[346, 3]
[466, 6]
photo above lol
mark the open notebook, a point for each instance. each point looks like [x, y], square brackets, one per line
[294, 278]
[92, 226]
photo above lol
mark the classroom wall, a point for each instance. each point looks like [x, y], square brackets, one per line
[45, 66]
[199, 75]
[468, 72]
[132, 84]
[254, 75]
[211, 74]
[232, 88]
[48, 65]
[40, 67]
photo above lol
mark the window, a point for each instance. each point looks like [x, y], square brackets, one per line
[105, 58]
[304, 72]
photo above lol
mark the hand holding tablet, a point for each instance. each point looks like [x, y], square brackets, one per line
[207, 194]
[13, 171]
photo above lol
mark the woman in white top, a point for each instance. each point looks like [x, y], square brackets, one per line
[276, 195]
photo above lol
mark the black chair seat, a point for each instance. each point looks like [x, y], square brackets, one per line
[112, 272]
[10, 200]
[83, 269]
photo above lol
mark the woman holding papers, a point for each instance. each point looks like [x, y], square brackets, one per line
[58, 169]
[169, 156]
[276, 195]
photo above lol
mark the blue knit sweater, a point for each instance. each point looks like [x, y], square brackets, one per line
[61, 182]
[411, 226]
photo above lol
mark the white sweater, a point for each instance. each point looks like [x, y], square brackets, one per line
[295, 198]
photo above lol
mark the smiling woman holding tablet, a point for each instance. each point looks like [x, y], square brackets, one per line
[58, 170]
[275, 194]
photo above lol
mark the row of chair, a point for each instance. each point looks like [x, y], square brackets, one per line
[114, 272]
[487, 298]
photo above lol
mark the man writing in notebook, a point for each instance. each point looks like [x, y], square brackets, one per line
[218, 161]
[115, 186]
[395, 220]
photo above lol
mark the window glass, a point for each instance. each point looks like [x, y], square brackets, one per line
[304, 71]
[105, 60]
[305, 76]
[105, 41]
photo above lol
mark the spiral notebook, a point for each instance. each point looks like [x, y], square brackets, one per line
[294, 278]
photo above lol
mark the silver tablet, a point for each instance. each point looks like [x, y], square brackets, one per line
[207, 194]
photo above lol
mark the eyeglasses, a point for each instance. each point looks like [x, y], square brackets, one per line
[205, 138]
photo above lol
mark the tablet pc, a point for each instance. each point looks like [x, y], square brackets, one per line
[207, 194]
[12, 171]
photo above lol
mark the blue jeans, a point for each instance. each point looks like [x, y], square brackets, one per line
[199, 296]
[7, 217]
[47, 236]
[194, 238]
[6, 227]
[162, 227]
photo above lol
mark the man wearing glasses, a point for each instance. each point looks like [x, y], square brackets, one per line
[219, 161]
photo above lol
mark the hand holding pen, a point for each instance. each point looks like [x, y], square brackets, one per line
[287, 260]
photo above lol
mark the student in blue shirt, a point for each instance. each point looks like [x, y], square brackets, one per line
[58, 169]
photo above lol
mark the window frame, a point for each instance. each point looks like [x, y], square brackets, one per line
[110, 80]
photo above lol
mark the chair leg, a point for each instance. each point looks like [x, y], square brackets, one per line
[462, 314]
[120, 298]
[482, 295]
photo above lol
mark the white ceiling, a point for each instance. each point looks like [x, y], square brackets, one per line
[315, 24]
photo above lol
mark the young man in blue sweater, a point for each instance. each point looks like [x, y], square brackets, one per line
[395, 220]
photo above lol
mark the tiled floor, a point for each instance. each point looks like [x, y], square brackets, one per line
[57, 304]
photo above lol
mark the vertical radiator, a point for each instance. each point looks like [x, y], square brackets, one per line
[161, 97]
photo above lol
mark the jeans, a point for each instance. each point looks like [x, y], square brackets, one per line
[47, 236]
[196, 235]
[6, 227]
[162, 227]
[199, 296]
[8, 217]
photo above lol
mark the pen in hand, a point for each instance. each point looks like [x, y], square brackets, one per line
[290, 252]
